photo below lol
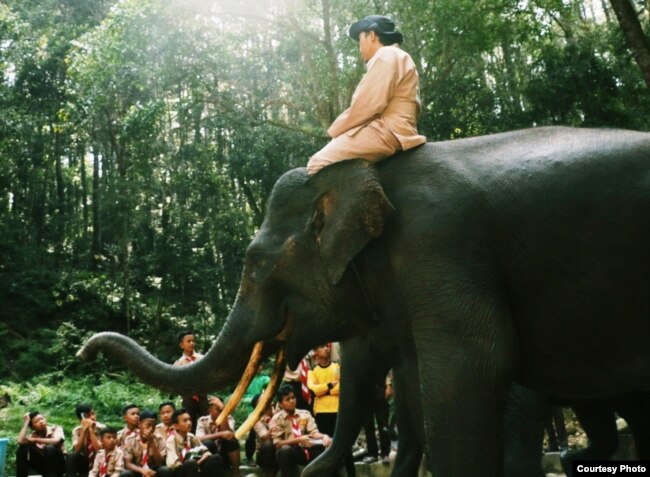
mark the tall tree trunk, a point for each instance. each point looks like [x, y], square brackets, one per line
[333, 88]
[96, 242]
[634, 36]
[84, 190]
[60, 189]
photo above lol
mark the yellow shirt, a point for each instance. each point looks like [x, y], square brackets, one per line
[327, 399]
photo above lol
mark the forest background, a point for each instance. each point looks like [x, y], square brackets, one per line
[139, 140]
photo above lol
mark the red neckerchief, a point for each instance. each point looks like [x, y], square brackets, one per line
[90, 449]
[103, 470]
[191, 359]
[186, 449]
[145, 455]
[296, 432]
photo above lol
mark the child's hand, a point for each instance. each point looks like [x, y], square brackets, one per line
[204, 456]
[304, 441]
[26, 419]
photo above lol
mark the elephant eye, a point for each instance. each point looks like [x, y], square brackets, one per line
[257, 267]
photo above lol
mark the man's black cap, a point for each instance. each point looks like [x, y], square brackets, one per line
[377, 23]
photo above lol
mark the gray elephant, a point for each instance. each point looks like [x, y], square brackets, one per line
[513, 257]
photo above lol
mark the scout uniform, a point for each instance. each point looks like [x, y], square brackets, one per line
[196, 404]
[108, 464]
[282, 426]
[178, 449]
[206, 425]
[87, 451]
[163, 431]
[138, 451]
[52, 432]
[124, 433]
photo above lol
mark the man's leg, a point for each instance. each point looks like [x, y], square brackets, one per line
[250, 447]
[54, 461]
[162, 472]
[365, 144]
[211, 445]
[22, 460]
[266, 458]
[77, 465]
[188, 469]
[289, 458]
[212, 466]
[230, 451]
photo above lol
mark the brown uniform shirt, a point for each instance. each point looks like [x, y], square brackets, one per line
[262, 430]
[76, 435]
[124, 433]
[280, 425]
[205, 425]
[177, 448]
[114, 463]
[134, 448]
[163, 431]
[51, 432]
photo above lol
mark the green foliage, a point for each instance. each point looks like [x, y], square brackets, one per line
[140, 139]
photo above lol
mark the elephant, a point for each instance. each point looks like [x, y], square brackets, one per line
[518, 256]
[365, 362]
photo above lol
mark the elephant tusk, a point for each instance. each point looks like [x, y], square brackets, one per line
[244, 382]
[267, 396]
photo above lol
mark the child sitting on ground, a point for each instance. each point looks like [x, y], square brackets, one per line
[110, 459]
[219, 440]
[165, 427]
[41, 449]
[131, 418]
[185, 453]
[85, 442]
[144, 452]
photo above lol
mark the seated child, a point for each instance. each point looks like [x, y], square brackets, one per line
[263, 441]
[41, 449]
[219, 440]
[144, 452]
[165, 427]
[295, 434]
[110, 458]
[85, 442]
[185, 453]
[131, 418]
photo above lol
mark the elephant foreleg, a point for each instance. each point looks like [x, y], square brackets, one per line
[409, 421]
[466, 367]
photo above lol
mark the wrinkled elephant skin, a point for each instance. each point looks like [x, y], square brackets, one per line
[519, 256]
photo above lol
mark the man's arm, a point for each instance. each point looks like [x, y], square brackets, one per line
[370, 98]
[319, 389]
[22, 437]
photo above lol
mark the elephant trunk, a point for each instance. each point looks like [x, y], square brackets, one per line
[222, 365]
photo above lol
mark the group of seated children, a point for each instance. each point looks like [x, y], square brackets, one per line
[285, 440]
[142, 447]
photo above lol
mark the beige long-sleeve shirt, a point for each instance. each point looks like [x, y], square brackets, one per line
[387, 94]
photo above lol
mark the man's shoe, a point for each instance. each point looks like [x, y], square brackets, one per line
[385, 460]
[250, 463]
[369, 459]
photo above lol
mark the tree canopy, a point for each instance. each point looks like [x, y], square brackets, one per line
[140, 138]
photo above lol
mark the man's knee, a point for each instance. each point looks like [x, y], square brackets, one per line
[284, 455]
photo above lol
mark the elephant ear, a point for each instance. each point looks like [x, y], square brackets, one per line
[350, 210]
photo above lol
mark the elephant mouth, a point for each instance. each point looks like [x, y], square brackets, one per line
[257, 355]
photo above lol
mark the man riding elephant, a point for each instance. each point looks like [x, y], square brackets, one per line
[381, 119]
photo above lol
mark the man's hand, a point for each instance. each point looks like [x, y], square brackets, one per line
[327, 440]
[204, 456]
[304, 441]
[227, 435]
[148, 473]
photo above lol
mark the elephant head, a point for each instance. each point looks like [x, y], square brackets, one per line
[296, 289]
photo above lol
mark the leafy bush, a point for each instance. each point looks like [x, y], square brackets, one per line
[56, 397]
